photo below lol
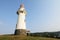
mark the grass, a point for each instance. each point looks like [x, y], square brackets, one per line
[9, 37]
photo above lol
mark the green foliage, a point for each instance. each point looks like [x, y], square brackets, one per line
[46, 34]
[9, 37]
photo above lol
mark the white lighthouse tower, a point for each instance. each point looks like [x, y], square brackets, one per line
[21, 23]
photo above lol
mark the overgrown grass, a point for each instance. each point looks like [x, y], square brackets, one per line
[24, 38]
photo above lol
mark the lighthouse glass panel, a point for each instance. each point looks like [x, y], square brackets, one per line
[21, 11]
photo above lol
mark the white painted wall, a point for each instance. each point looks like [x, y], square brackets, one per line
[21, 20]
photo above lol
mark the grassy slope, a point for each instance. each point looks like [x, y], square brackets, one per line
[24, 38]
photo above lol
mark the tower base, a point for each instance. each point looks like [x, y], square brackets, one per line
[20, 32]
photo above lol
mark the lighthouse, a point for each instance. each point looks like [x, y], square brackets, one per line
[21, 22]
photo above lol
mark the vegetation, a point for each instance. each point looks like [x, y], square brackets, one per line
[46, 34]
[12, 37]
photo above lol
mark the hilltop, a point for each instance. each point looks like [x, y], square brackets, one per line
[13, 37]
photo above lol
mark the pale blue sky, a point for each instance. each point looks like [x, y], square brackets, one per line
[42, 15]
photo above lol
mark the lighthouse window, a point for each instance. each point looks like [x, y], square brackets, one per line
[24, 20]
[21, 11]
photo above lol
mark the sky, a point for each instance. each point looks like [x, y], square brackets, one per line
[42, 15]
